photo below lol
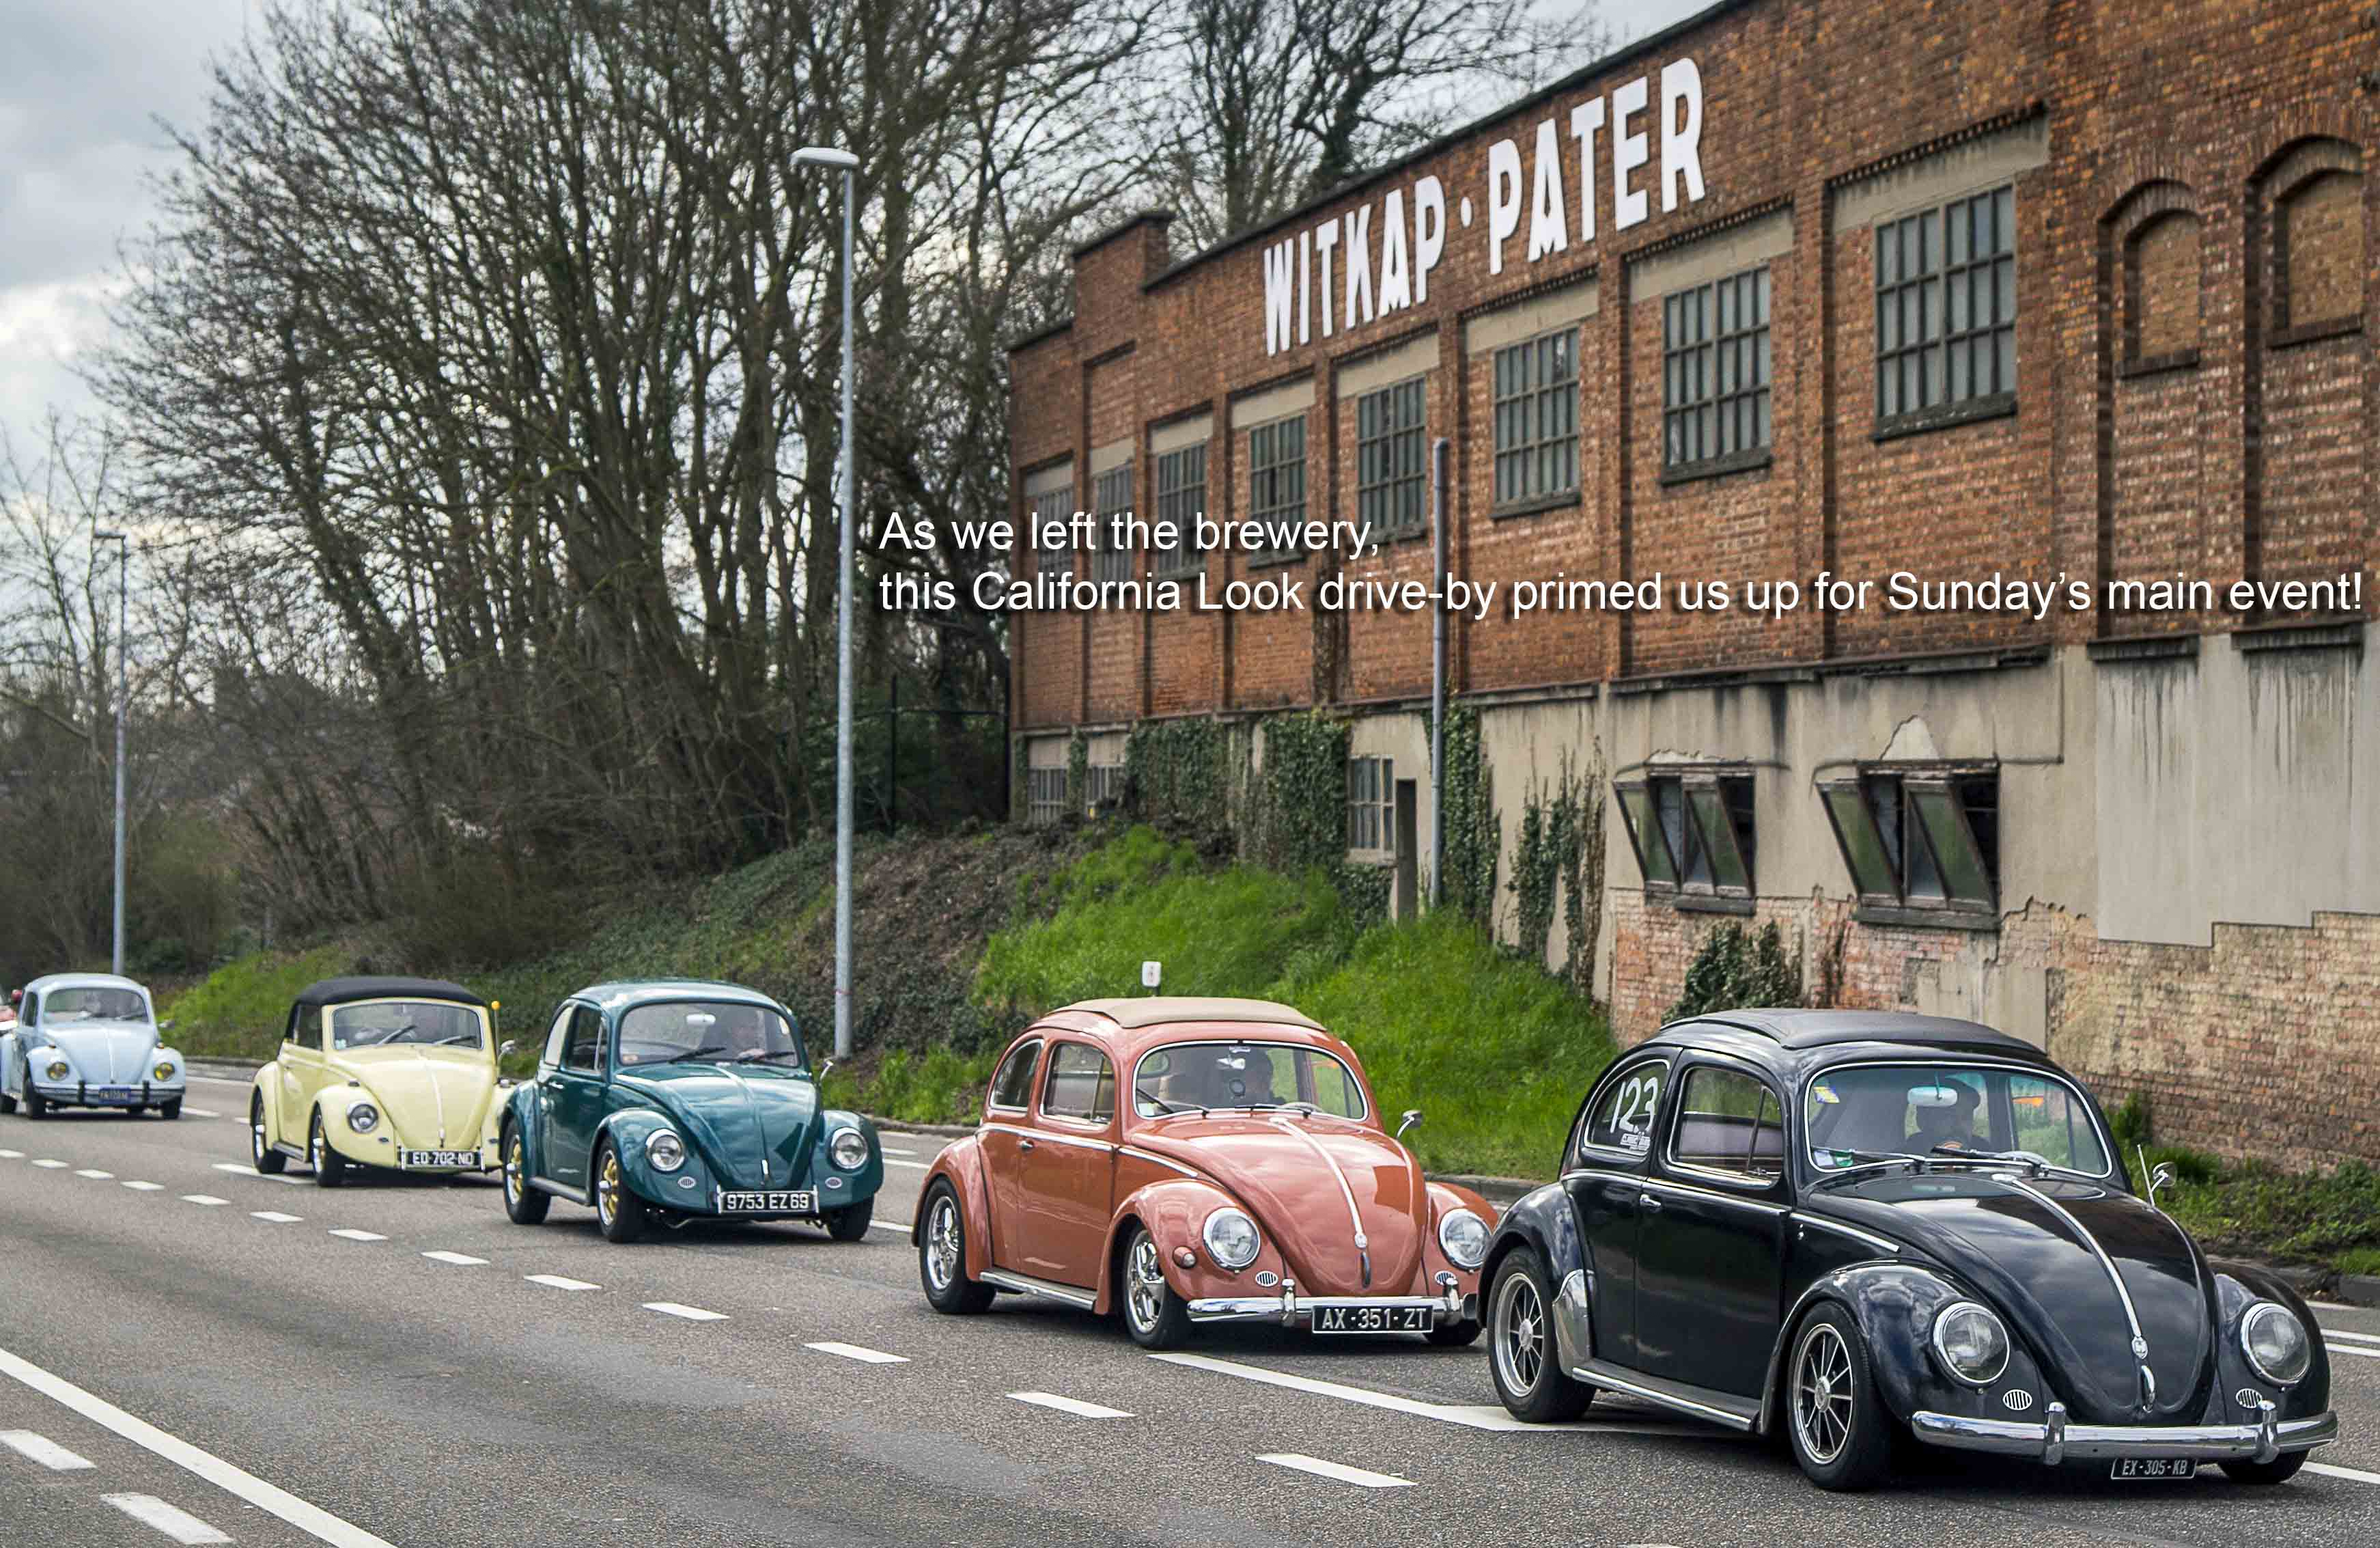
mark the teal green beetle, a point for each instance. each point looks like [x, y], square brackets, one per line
[661, 1102]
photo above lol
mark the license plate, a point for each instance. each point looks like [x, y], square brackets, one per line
[2160, 1470]
[773, 1201]
[438, 1158]
[1371, 1319]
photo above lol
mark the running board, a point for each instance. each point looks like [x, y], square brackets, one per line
[1703, 1403]
[1020, 1283]
[293, 1152]
[559, 1190]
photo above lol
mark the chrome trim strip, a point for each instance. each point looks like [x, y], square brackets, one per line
[1017, 1282]
[1962, 1061]
[1881, 1244]
[2206, 1441]
[1138, 1154]
[1355, 1215]
[1252, 1042]
[1599, 1373]
[560, 1190]
[2115, 1277]
[1056, 1139]
[1685, 1190]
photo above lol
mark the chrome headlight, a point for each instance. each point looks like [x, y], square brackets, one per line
[2275, 1343]
[1230, 1237]
[849, 1148]
[363, 1117]
[58, 1069]
[1971, 1342]
[165, 1070]
[666, 1150]
[1462, 1237]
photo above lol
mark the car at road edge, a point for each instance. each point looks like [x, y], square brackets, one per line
[88, 1039]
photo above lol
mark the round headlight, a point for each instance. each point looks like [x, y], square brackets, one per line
[1971, 1342]
[849, 1148]
[1232, 1238]
[666, 1150]
[58, 1071]
[2275, 1343]
[363, 1117]
[1464, 1237]
[165, 1070]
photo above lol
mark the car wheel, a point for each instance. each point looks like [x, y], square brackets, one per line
[524, 1205]
[1153, 1314]
[617, 1209]
[36, 1105]
[170, 1109]
[941, 1257]
[1522, 1355]
[2280, 1469]
[851, 1222]
[7, 1102]
[270, 1162]
[1841, 1433]
[1454, 1335]
[330, 1166]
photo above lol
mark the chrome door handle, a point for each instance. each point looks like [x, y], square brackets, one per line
[1025, 1144]
[1652, 1205]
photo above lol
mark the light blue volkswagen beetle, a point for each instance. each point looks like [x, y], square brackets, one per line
[88, 1039]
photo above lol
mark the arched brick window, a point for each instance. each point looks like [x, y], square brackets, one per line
[2316, 260]
[2161, 289]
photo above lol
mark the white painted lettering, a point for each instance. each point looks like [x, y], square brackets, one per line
[1548, 226]
[1629, 152]
[1503, 200]
[1681, 155]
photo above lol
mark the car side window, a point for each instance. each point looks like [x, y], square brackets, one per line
[1729, 1122]
[1012, 1084]
[554, 1037]
[583, 1049]
[1622, 1118]
[304, 1027]
[1081, 1085]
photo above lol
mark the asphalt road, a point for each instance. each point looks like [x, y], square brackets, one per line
[228, 1366]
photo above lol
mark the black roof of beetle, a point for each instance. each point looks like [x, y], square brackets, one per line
[347, 991]
[1797, 1028]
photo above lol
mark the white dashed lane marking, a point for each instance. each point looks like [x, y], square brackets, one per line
[560, 1282]
[691, 1314]
[1470, 1416]
[94, 1174]
[12, 1155]
[201, 1112]
[146, 1187]
[351, 1233]
[865, 1356]
[202, 1198]
[2332, 1469]
[1340, 1471]
[1079, 1409]
[908, 1166]
[275, 1217]
[243, 1170]
[41, 1449]
[895, 1150]
[172, 1520]
[461, 1260]
[52, 1166]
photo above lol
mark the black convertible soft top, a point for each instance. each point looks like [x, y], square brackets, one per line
[347, 991]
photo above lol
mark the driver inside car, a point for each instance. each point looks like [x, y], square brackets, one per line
[1946, 1125]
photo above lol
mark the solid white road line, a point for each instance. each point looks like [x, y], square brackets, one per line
[2332, 1469]
[1471, 1416]
[1338, 1471]
[854, 1351]
[2327, 1332]
[461, 1260]
[201, 1112]
[903, 1226]
[275, 1217]
[559, 1283]
[52, 1166]
[1068, 1405]
[146, 1187]
[2351, 1349]
[895, 1150]
[202, 1198]
[219, 1081]
[41, 1449]
[96, 1174]
[174, 1521]
[691, 1314]
[909, 1165]
[311, 1519]
[351, 1233]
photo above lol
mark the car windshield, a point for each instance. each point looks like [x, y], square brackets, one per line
[382, 1023]
[1871, 1113]
[1202, 1077]
[93, 1002]
[709, 1032]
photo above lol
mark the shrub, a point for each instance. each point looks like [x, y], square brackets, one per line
[1736, 968]
[239, 1010]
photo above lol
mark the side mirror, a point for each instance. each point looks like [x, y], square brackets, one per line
[1410, 1120]
[507, 1048]
[2161, 1176]
[820, 1077]
[166, 1025]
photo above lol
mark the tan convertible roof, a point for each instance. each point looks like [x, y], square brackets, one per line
[1153, 1010]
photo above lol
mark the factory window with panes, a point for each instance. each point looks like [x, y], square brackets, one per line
[1714, 364]
[1536, 417]
[1045, 794]
[1053, 557]
[1277, 479]
[1181, 500]
[1922, 845]
[1946, 312]
[1693, 834]
[1389, 483]
[1111, 497]
[1371, 792]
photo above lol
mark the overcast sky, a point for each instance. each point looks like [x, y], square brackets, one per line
[81, 85]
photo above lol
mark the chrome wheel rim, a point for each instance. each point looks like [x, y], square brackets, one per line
[256, 1132]
[1822, 1393]
[1143, 1293]
[513, 1164]
[315, 1147]
[1520, 1334]
[942, 1245]
[607, 1188]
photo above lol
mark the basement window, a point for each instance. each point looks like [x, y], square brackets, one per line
[1371, 786]
[1693, 834]
[1922, 845]
[1045, 794]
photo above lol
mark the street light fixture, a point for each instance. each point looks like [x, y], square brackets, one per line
[123, 688]
[821, 155]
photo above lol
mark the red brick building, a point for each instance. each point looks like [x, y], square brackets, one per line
[2070, 292]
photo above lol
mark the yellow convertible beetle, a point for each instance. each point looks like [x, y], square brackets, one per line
[393, 1073]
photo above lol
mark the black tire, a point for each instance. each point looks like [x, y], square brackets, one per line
[2280, 1469]
[1524, 1357]
[524, 1205]
[7, 1102]
[618, 1210]
[1453, 1336]
[170, 1109]
[267, 1160]
[138, 1110]
[36, 1105]
[1839, 1428]
[330, 1166]
[1155, 1316]
[851, 1222]
[942, 1256]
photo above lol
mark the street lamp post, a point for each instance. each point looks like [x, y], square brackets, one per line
[819, 155]
[123, 688]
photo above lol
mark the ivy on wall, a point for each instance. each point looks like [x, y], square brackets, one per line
[1020, 782]
[1298, 806]
[1736, 968]
[1474, 832]
[1559, 854]
[1176, 772]
[1078, 774]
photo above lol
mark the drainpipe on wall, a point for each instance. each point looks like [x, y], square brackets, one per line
[1438, 462]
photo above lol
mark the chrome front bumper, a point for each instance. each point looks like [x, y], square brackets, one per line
[2058, 1441]
[83, 1093]
[1293, 1309]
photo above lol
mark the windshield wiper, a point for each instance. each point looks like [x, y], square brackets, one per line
[754, 1056]
[1860, 1159]
[1173, 1109]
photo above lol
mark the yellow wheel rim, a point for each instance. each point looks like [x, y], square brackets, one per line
[608, 1189]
